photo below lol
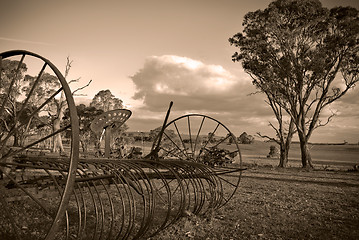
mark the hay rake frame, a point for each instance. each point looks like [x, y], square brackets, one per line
[57, 196]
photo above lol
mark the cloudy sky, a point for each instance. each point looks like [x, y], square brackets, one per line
[149, 53]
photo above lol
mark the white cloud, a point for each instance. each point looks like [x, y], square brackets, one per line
[191, 83]
[196, 87]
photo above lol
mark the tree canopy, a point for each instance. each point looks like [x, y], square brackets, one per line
[106, 101]
[303, 56]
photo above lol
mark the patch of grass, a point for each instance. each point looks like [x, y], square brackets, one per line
[276, 203]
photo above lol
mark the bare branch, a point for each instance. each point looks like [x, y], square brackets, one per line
[267, 137]
[74, 80]
[88, 84]
[68, 66]
[320, 124]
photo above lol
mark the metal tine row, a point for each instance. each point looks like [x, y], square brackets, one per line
[134, 199]
[127, 199]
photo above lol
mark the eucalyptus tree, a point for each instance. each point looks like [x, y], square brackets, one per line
[55, 110]
[106, 101]
[303, 57]
[11, 75]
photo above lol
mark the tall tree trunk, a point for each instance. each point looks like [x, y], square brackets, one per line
[57, 140]
[283, 157]
[285, 146]
[16, 142]
[305, 153]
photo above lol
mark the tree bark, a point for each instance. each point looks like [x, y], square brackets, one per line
[305, 153]
[283, 157]
[285, 146]
[57, 144]
[16, 140]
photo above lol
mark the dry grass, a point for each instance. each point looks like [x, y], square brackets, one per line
[281, 204]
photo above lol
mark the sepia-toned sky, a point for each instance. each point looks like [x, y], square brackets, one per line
[151, 52]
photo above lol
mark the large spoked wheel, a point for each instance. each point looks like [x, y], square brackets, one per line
[202, 139]
[39, 146]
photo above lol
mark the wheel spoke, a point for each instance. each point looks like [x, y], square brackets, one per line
[230, 183]
[210, 180]
[189, 133]
[198, 133]
[31, 91]
[175, 145]
[14, 127]
[180, 137]
[12, 153]
[28, 193]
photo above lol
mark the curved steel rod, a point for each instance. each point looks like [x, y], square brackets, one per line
[128, 199]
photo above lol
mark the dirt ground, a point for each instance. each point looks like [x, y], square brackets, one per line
[274, 203]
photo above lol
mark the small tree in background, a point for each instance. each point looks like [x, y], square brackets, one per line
[244, 138]
[273, 151]
[106, 101]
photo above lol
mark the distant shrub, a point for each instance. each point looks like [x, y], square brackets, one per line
[273, 151]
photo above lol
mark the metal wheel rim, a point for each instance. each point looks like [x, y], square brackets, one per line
[74, 154]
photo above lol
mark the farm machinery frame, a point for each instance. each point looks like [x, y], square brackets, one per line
[194, 166]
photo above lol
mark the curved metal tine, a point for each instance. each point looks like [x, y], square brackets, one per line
[198, 133]
[80, 229]
[164, 185]
[81, 199]
[78, 199]
[132, 181]
[147, 196]
[88, 185]
[102, 209]
[192, 190]
[170, 204]
[118, 180]
[111, 207]
[141, 173]
[102, 214]
[163, 203]
[59, 189]
[213, 183]
[179, 135]
[209, 139]
[198, 189]
[185, 191]
[11, 84]
[11, 132]
[125, 232]
[95, 207]
[203, 194]
[181, 199]
[152, 204]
